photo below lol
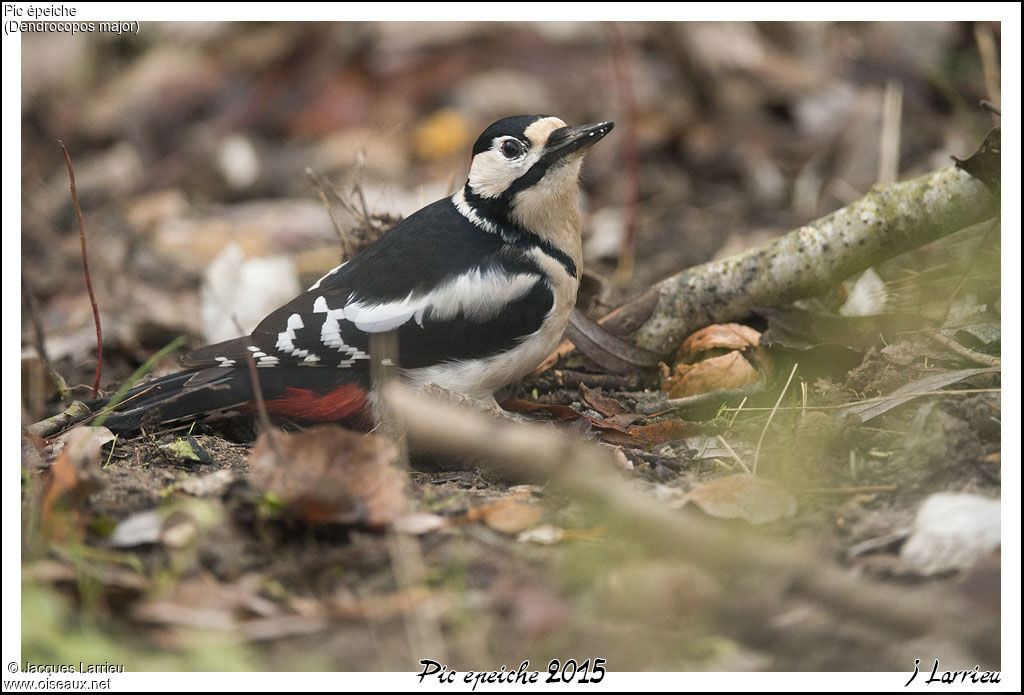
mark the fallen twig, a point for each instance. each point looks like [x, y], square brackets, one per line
[85, 269]
[52, 425]
[760, 440]
[964, 351]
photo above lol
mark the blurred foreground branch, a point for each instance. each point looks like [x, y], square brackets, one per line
[589, 475]
[888, 221]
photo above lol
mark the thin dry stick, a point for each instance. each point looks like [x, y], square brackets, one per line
[734, 454]
[892, 112]
[620, 62]
[966, 352]
[38, 335]
[34, 394]
[757, 451]
[877, 399]
[851, 490]
[737, 413]
[85, 268]
[346, 249]
[422, 626]
[257, 392]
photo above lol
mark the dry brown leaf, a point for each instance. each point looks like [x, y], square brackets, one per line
[621, 321]
[74, 475]
[646, 435]
[758, 500]
[625, 420]
[700, 369]
[509, 514]
[730, 336]
[330, 475]
[513, 518]
[730, 370]
[608, 407]
[614, 429]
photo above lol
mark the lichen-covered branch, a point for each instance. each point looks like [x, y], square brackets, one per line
[886, 222]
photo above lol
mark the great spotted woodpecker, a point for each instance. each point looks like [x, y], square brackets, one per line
[479, 287]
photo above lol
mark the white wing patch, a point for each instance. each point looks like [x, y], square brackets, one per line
[330, 332]
[286, 339]
[477, 295]
[377, 318]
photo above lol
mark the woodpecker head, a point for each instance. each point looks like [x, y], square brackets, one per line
[525, 171]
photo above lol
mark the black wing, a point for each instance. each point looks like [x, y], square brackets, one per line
[451, 290]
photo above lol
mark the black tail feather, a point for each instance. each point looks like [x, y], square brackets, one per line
[176, 396]
[196, 392]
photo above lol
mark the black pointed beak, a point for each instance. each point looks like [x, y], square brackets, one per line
[569, 139]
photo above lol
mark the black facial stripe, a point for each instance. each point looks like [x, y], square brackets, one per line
[514, 125]
[558, 140]
[534, 174]
[493, 210]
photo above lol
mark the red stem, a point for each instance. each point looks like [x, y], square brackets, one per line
[85, 268]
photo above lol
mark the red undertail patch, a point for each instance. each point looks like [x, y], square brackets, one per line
[304, 404]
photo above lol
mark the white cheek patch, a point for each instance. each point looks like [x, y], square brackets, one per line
[491, 174]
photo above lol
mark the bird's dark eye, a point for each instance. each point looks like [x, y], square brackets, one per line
[511, 149]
